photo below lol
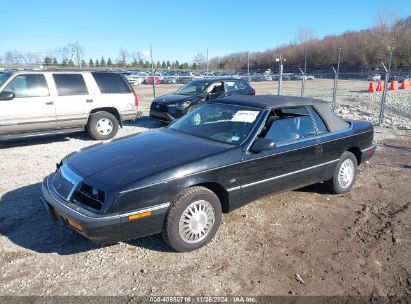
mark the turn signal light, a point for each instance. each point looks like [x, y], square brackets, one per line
[139, 215]
[74, 225]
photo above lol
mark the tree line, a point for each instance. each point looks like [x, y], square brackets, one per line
[360, 50]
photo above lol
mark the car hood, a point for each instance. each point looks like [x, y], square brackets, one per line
[123, 161]
[172, 98]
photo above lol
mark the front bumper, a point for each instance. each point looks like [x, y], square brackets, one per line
[98, 228]
[166, 116]
[103, 228]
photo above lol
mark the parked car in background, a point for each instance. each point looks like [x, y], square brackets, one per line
[151, 79]
[36, 103]
[172, 106]
[177, 181]
[374, 77]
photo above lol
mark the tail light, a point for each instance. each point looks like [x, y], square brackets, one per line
[135, 99]
[253, 92]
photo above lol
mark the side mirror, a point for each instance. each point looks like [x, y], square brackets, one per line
[262, 144]
[5, 95]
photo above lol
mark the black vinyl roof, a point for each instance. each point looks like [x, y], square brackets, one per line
[268, 102]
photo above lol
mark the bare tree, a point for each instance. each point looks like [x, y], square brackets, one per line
[304, 34]
[76, 51]
[123, 57]
[200, 59]
[386, 19]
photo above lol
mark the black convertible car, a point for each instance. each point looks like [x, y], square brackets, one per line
[178, 180]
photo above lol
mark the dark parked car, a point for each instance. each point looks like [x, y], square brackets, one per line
[178, 180]
[172, 106]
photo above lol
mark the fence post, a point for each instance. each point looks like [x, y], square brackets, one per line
[384, 96]
[384, 93]
[336, 79]
[302, 82]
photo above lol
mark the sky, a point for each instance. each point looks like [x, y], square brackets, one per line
[178, 29]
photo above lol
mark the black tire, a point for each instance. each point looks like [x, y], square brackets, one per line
[95, 119]
[335, 184]
[171, 228]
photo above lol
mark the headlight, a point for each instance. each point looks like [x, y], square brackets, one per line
[185, 104]
[89, 196]
[181, 105]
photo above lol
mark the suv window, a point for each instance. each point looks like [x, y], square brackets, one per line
[241, 85]
[70, 84]
[289, 124]
[231, 86]
[111, 83]
[322, 128]
[29, 85]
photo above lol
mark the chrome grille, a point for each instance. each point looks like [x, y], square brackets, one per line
[62, 186]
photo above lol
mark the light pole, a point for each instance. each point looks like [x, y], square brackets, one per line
[387, 73]
[280, 59]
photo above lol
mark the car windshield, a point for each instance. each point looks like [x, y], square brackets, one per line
[224, 123]
[192, 88]
[3, 77]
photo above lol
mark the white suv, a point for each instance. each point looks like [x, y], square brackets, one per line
[42, 102]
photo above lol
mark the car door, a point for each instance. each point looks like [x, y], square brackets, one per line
[72, 101]
[297, 159]
[32, 109]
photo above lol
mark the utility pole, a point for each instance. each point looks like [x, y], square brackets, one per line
[336, 78]
[153, 72]
[248, 66]
[387, 77]
[281, 59]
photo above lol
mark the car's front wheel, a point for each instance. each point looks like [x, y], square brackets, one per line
[102, 125]
[345, 174]
[192, 220]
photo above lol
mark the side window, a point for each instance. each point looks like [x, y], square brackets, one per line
[216, 88]
[231, 86]
[111, 83]
[30, 85]
[289, 124]
[70, 84]
[241, 85]
[322, 128]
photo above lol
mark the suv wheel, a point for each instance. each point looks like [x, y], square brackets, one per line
[192, 220]
[102, 125]
[344, 174]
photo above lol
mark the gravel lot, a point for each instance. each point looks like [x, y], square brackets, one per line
[352, 244]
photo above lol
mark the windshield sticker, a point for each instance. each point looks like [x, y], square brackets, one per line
[245, 116]
[235, 138]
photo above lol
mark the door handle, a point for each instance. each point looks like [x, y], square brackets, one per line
[50, 103]
[319, 149]
[89, 100]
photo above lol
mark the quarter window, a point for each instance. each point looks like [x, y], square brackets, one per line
[70, 84]
[289, 124]
[231, 86]
[322, 128]
[30, 85]
[111, 83]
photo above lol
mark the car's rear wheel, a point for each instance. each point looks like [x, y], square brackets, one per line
[345, 174]
[192, 220]
[102, 125]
